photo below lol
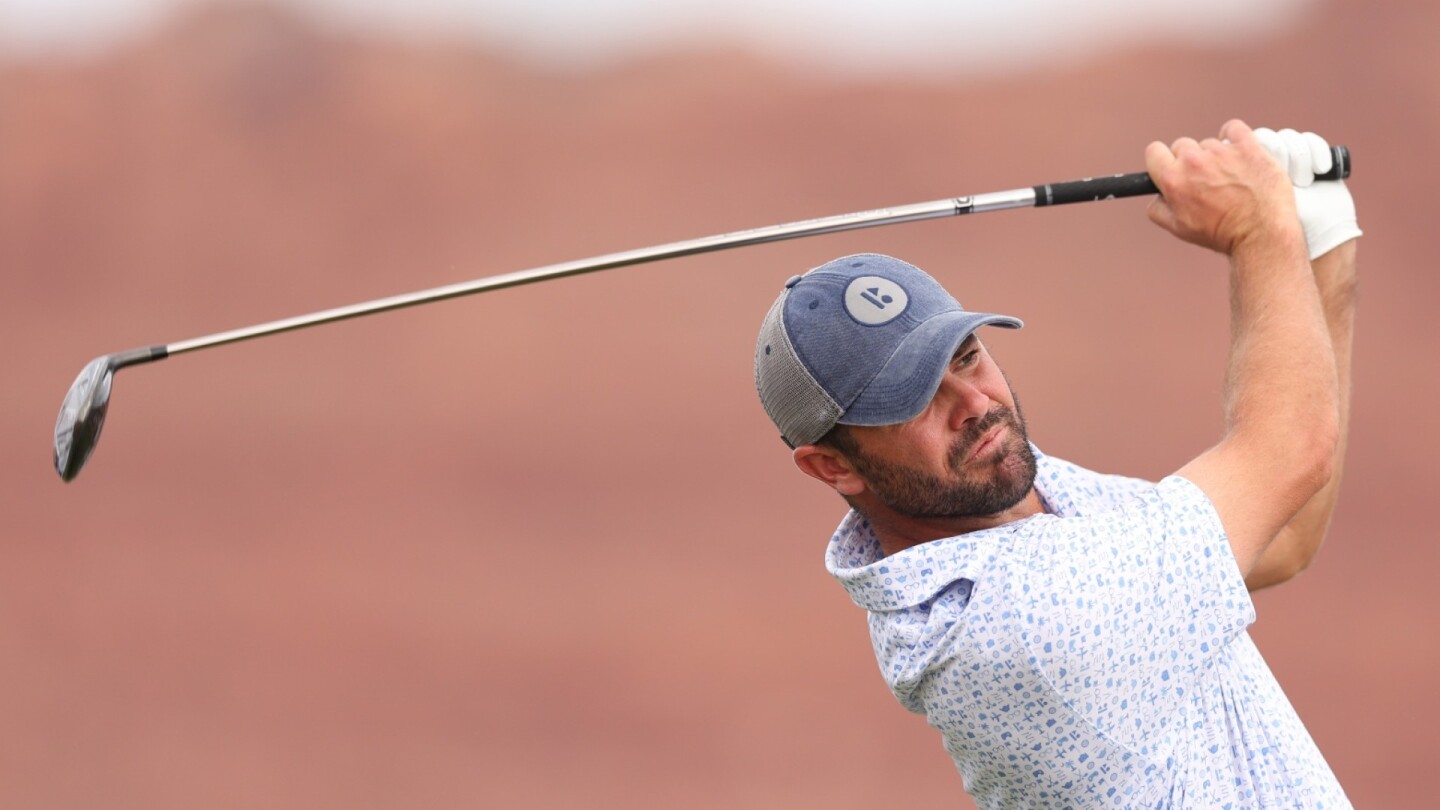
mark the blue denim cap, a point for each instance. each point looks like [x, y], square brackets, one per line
[861, 340]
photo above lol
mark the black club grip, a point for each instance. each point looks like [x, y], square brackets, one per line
[1139, 184]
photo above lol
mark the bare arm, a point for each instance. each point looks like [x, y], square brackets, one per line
[1296, 544]
[1281, 396]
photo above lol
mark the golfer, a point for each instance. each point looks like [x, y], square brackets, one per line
[1079, 639]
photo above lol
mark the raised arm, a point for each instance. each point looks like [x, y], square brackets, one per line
[1327, 214]
[1296, 544]
[1281, 390]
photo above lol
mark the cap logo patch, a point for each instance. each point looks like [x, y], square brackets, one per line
[873, 300]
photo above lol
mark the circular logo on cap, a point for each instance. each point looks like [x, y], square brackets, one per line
[873, 300]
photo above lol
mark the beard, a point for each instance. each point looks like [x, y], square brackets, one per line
[989, 487]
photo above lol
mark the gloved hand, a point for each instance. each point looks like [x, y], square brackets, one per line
[1326, 210]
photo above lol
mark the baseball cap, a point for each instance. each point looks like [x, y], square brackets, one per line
[861, 340]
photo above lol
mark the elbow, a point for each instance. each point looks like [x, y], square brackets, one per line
[1310, 472]
[1303, 464]
[1309, 430]
[1316, 461]
[1280, 564]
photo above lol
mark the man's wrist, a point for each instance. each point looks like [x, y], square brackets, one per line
[1280, 242]
[1323, 242]
[1336, 276]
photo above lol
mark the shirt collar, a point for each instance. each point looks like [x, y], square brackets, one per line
[914, 575]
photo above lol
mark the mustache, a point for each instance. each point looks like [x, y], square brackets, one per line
[1000, 414]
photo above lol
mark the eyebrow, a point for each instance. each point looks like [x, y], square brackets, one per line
[965, 344]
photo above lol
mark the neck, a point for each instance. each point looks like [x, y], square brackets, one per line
[898, 532]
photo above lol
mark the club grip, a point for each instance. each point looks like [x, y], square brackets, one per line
[1138, 184]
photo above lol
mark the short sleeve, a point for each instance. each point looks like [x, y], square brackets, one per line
[1124, 611]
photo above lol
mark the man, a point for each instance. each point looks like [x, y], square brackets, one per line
[1080, 639]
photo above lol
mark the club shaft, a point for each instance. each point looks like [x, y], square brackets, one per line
[773, 233]
[1124, 185]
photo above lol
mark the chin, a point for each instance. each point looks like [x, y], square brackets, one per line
[1014, 473]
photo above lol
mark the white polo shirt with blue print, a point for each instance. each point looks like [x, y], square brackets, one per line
[1092, 657]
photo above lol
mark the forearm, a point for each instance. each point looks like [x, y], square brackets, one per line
[1280, 396]
[1281, 409]
[1296, 544]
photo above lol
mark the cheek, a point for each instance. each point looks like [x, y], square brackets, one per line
[919, 447]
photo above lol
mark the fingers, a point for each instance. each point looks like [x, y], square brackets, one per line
[1161, 214]
[1303, 155]
[1298, 163]
[1321, 159]
[1169, 166]
[1158, 158]
[1236, 131]
[1182, 149]
[1271, 140]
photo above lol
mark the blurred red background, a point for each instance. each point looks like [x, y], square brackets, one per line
[541, 548]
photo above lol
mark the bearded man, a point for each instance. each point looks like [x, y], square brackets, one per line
[1080, 640]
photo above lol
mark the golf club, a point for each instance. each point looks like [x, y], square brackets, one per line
[82, 414]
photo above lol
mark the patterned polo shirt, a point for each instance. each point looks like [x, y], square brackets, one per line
[1092, 657]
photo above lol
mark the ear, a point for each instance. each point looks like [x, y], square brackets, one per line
[829, 467]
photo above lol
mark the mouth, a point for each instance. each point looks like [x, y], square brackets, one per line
[989, 441]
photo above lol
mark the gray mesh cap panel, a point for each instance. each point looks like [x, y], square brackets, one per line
[796, 403]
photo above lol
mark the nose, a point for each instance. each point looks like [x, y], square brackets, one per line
[961, 400]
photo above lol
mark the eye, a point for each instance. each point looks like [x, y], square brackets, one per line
[967, 358]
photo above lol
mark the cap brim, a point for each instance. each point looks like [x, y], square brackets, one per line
[908, 380]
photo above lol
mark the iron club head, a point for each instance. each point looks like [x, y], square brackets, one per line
[82, 414]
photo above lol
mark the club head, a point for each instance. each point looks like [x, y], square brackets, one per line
[82, 414]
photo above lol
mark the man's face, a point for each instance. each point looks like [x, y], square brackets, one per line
[967, 455]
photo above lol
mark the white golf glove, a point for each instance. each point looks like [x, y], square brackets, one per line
[1326, 210]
